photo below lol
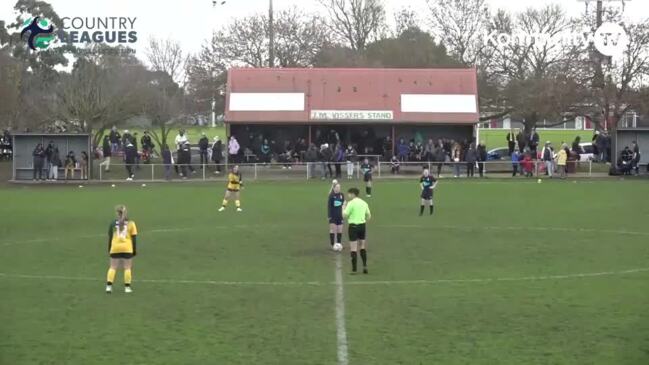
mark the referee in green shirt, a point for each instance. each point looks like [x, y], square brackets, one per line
[357, 213]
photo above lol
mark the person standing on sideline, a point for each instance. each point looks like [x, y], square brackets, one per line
[217, 153]
[576, 147]
[203, 145]
[366, 169]
[339, 157]
[635, 162]
[395, 165]
[482, 157]
[456, 158]
[122, 239]
[534, 142]
[56, 163]
[167, 161]
[147, 147]
[350, 155]
[440, 157]
[130, 157]
[521, 140]
[562, 158]
[328, 155]
[108, 152]
[70, 165]
[511, 141]
[39, 161]
[547, 155]
[48, 159]
[83, 165]
[181, 139]
[471, 157]
[358, 214]
[515, 162]
[115, 139]
[126, 138]
[137, 155]
[233, 150]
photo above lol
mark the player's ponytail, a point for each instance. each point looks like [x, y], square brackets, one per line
[122, 215]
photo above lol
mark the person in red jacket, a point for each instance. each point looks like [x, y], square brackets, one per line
[528, 165]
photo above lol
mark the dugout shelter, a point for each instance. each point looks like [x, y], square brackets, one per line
[24, 144]
[625, 136]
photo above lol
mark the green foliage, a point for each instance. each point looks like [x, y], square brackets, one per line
[413, 48]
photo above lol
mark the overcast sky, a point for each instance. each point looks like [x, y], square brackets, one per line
[191, 21]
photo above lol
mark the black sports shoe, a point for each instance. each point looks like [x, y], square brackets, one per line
[365, 270]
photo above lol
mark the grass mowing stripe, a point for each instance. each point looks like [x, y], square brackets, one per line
[341, 332]
[342, 283]
[387, 226]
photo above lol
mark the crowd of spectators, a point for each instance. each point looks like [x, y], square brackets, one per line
[125, 146]
[328, 156]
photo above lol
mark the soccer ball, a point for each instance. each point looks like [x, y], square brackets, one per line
[144, 185]
[338, 247]
[334, 182]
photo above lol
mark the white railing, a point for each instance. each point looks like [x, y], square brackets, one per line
[320, 170]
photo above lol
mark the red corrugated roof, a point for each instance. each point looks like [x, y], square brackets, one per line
[351, 88]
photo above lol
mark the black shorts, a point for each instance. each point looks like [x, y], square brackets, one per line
[427, 194]
[336, 220]
[367, 177]
[356, 232]
[121, 255]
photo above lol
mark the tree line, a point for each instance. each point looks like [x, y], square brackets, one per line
[532, 81]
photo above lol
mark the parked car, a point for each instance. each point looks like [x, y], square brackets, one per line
[502, 153]
[587, 152]
[498, 154]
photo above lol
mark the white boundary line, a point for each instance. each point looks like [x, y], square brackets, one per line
[343, 283]
[396, 226]
[341, 332]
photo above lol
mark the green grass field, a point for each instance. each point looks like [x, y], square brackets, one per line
[495, 138]
[504, 273]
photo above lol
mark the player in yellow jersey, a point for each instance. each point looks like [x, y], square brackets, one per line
[235, 183]
[122, 237]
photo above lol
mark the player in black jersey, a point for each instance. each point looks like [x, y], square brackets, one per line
[335, 213]
[428, 184]
[366, 169]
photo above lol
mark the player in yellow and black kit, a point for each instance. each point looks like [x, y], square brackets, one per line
[235, 183]
[122, 238]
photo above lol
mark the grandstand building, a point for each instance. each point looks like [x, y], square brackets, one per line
[364, 106]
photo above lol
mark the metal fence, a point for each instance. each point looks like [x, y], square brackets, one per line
[319, 170]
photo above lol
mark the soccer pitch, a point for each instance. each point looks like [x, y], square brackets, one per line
[505, 272]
